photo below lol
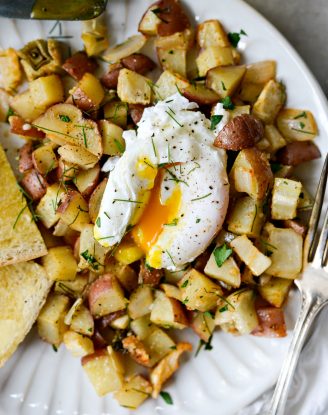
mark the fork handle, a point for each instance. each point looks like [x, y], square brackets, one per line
[311, 305]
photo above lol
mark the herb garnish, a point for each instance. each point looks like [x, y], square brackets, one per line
[302, 131]
[119, 146]
[174, 177]
[173, 223]
[173, 118]
[127, 200]
[55, 349]
[170, 256]
[209, 314]
[10, 112]
[275, 167]
[154, 148]
[215, 120]
[64, 118]
[221, 254]
[201, 197]
[197, 220]
[184, 285]
[223, 86]
[29, 204]
[227, 103]
[98, 222]
[90, 259]
[300, 115]
[234, 37]
[208, 345]
[167, 397]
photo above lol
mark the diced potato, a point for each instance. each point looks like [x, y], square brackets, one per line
[78, 64]
[269, 102]
[86, 180]
[134, 391]
[203, 325]
[128, 252]
[105, 370]
[173, 277]
[78, 156]
[77, 344]
[211, 33]
[225, 80]
[271, 322]
[133, 88]
[228, 272]
[106, 296]
[140, 302]
[116, 112]
[275, 291]
[82, 321]
[4, 105]
[24, 106]
[305, 200]
[10, 70]
[178, 40]
[88, 93]
[121, 323]
[74, 210]
[287, 252]
[113, 142]
[246, 217]
[168, 84]
[297, 125]
[171, 291]
[213, 56]
[46, 91]
[174, 60]
[240, 110]
[92, 255]
[239, 309]
[44, 159]
[151, 276]
[251, 173]
[257, 75]
[126, 275]
[199, 93]
[166, 367]
[132, 45]
[198, 291]
[72, 288]
[168, 312]
[275, 139]
[142, 327]
[149, 22]
[159, 344]
[34, 184]
[95, 200]
[285, 196]
[47, 207]
[60, 228]
[248, 253]
[95, 35]
[137, 350]
[51, 326]
[60, 263]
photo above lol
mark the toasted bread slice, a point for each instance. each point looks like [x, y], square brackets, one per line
[23, 290]
[20, 239]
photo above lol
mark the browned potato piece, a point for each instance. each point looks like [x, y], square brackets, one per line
[109, 80]
[25, 157]
[174, 60]
[77, 155]
[139, 63]
[34, 184]
[149, 21]
[150, 276]
[89, 93]
[74, 210]
[225, 80]
[44, 159]
[212, 57]
[211, 33]
[87, 180]
[116, 112]
[271, 322]
[201, 94]
[298, 152]
[136, 111]
[179, 40]
[78, 64]
[137, 350]
[241, 132]
[19, 126]
[168, 312]
[297, 125]
[270, 102]
[4, 105]
[133, 88]
[172, 17]
[251, 173]
[95, 200]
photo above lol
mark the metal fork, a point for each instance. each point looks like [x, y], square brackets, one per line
[314, 292]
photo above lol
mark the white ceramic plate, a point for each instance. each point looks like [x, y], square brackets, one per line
[38, 381]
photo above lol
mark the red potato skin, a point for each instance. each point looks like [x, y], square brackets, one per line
[241, 132]
[298, 152]
[34, 184]
[92, 185]
[105, 321]
[66, 200]
[139, 63]
[297, 226]
[202, 96]
[173, 18]
[82, 101]
[136, 112]
[110, 79]
[16, 126]
[201, 261]
[78, 64]
[97, 288]
[25, 157]
[150, 276]
[95, 355]
[271, 322]
[76, 249]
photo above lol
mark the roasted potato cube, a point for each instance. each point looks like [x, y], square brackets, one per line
[285, 196]
[251, 173]
[168, 84]
[88, 93]
[47, 207]
[139, 63]
[203, 325]
[77, 344]
[23, 105]
[178, 40]
[158, 343]
[10, 70]
[78, 156]
[46, 91]
[72, 288]
[116, 112]
[211, 33]
[86, 180]
[4, 105]
[113, 142]
[60, 263]
[132, 45]
[66, 171]
[44, 159]
[105, 370]
[133, 88]
[271, 322]
[140, 302]
[200, 94]
[275, 139]
[95, 200]
[91, 254]
[297, 125]
[149, 22]
[171, 291]
[151, 276]
[225, 80]
[287, 252]
[168, 312]
[95, 35]
[34, 184]
[82, 321]
[137, 350]
[142, 327]
[78, 64]
[275, 291]
[198, 291]
[74, 210]
[174, 60]
[51, 326]
[228, 272]
[134, 391]
[246, 217]
[248, 253]
[298, 152]
[269, 102]
[128, 252]
[19, 126]
[121, 323]
[166, 367]
[106, 296]
[213, 56]
[124, 273]
[109, 80]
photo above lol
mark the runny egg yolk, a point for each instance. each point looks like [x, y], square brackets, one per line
[156, 215]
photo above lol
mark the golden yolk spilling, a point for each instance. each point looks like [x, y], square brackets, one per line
[156, 215]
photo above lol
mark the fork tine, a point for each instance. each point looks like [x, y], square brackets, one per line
[316, 211]
[320, 251]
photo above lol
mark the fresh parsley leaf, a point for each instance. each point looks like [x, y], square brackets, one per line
[119, 146]
[10, 112]
[221, 254]
[148, 266]
[207, 345]
[167, 397]
[197, 220]
[98, 222]
[275, 167]
[185, 300]
[302, 125]
[185, 284]
[208, 314]
[173, 223]
[55, 349]
[223, 86]
[234, 37]
[90, 259]
[215, 120]
[64, 118]
[223, 309]
[300, 115]
[227, 103]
